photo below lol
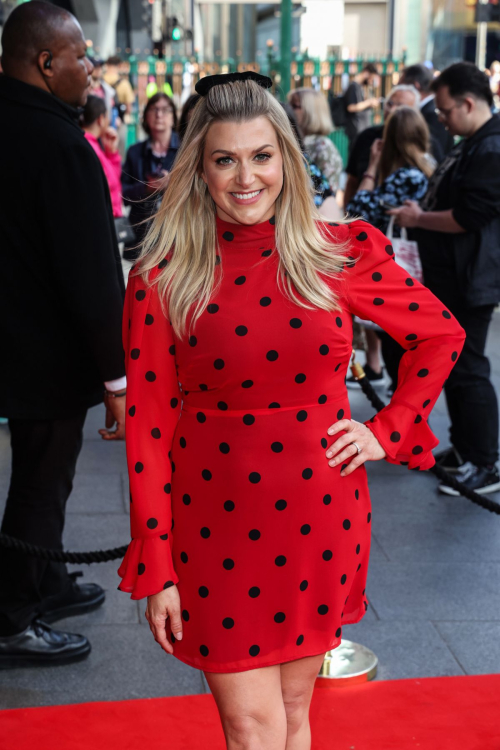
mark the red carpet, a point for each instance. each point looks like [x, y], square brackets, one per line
[445, 713]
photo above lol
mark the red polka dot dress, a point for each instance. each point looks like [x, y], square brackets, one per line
[232, 497]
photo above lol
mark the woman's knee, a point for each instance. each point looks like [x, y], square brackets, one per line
[255, 730]
[296, 709]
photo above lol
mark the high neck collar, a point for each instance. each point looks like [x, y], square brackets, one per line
[230, 234]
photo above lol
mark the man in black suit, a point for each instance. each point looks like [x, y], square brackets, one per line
[421, 77]
[61, 299]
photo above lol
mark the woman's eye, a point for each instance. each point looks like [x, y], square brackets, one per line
[263, 157]
[224, 160]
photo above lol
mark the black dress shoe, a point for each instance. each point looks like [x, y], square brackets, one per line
[76, 600]
[40, 646]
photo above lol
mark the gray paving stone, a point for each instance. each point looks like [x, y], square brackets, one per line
[101, 456]
[475, 645]
[95, 421]
[96, 493]
[125, 663]
[405, 649]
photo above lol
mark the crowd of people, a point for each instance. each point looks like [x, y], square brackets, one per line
[430, 168]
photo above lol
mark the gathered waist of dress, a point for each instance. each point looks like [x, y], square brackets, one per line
[267, 411]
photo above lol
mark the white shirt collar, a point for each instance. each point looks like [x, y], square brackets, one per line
[425, 101]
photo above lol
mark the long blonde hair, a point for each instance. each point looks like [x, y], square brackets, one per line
[406, 143]
[316, 117]
[185, 224]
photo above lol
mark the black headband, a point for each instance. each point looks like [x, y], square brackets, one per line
[205, 84]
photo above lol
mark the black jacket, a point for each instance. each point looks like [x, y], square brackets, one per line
[468, 262]
[61, 283]
[437, 129]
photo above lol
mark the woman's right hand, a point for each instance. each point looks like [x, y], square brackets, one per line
[165, 604]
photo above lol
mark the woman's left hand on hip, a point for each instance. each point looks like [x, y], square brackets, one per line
[343, 448]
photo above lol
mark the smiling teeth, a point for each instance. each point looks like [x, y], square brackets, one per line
[246, 196]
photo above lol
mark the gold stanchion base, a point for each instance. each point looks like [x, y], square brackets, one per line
[349, 664]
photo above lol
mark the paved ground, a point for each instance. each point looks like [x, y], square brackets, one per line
[434, 581]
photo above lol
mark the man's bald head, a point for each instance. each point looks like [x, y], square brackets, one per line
[43, 45]
[31, 28]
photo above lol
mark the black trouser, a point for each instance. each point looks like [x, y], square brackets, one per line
[44, 455]
[392, 353]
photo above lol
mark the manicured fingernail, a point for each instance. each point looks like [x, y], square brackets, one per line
[342, 473]
[329, 454]
[332, 463]
[178, 637]
[330, 431]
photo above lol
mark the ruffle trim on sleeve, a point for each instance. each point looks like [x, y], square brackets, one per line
[405, 436]
[147, 567]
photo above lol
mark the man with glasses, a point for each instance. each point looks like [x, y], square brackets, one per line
[457, 226]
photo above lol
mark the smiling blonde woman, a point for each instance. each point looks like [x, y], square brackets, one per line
[238, 331]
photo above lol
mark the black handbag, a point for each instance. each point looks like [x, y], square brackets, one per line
[124, 231]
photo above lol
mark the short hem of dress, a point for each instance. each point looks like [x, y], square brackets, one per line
[336, 642]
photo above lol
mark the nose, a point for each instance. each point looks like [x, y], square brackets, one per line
[245, 176]
[90, 66]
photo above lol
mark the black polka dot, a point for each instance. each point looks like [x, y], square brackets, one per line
[416, 450]
[206, 474]
[224, 448]
[356, 494]
[307, 473]
[248, 419]
[152, 523]
[273, 405]
[338, 321]
[422, 373]
[426, 403]
[186, 499]
[340, 414]
[162, 263]
[327, 499]
[240, 280]
[203, 387]
[217, 260]
[167, 488]
[454, 355]
[272, 355]
[184, 557]
[203, 592]
[204, 650]
[201, 417]
[303, 585]
[228, 563]
[378, 301]
[417, 419]
[168, 584]
[362, 236]
[280, 504]
[338, 632]
[219, 364]
[324, 349]
[395, 437]
[409, 282]
[368, 518]
[327, 555]
[279, 617]
[174, 402]
[377, 276]
[280, 560]
[228, 623]
[135, 353]
[141, 569]
[247, 384]
[241, 330]
[150, 376]
[254, 534]
[266, 253]
[171, 349]
[193, 341]
[446, 314]
[411, 337]
[295, 322]
[324, 443]
[254, 477]
[413, 306]
[300, 640]
[149, 320]
[358, 549]
[305, 529]
[228, 236]
[346, 524]
[301, 415]
[389, 250]
[139, 467]
[300, 378]
[322, 609]
[205, 532]
[272, 220]
[131, 411]
[254, 650]
[254, 592]
[182, 442]
[265, 301]
[229, 505]
[322, 399]
[343, 579]
[277, 447]
[185, 615]
[140, 295]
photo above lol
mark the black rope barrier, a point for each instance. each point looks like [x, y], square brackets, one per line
[98, 556]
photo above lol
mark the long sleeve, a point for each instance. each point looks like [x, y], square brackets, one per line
[381, 291]
[153, 408]
[133, 189]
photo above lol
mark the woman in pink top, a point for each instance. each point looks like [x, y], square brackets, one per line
[95, 123]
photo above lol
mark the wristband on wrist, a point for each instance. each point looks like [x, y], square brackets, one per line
[115, 394]
[370, 176]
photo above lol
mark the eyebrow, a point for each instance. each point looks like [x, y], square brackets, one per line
[232, 153]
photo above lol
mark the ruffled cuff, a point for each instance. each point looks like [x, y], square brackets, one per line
[405, 436]
[147, 567]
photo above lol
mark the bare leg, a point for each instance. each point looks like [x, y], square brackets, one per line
[297, 684]
[373, 353]
[251, 708]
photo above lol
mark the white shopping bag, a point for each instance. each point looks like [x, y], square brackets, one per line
[406, 252]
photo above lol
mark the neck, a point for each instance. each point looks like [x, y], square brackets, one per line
[30, 76]
[482, 119]
[161, 140]
[94, 130]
